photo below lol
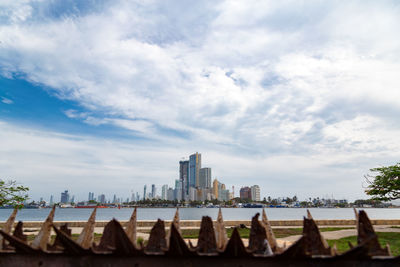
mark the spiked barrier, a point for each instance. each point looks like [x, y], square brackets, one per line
[118, 246]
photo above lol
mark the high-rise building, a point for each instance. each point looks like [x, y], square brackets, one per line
[144, 192]
[194, 169]
[205, 178]
[102, 198]
[192, 194]
[153, 191]
[184, 177]
[51, 200]
[215, 188]
[170, 194]
[178, 190]
[255, 193]
[164, 192]
[64, 197]
[245, 193]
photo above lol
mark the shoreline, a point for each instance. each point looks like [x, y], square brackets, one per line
[228, 223]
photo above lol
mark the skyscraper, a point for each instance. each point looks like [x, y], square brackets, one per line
[144, 192]
[194, 169]
[255, 193]
[164, 192]
[51, 200]
[153, 191]
[184, 177]
[64, 197]
[215, 188]
[205, 178]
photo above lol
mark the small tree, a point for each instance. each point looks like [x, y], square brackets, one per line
[12, 194]
[385, 184]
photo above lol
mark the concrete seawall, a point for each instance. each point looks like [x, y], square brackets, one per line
[196, 223]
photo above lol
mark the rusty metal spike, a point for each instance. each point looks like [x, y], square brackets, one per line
[334, 249]
[296, 250]
[270, 234]
[8, 226]
[42, 239]
[309, 216]
[177, 246]
[258, 243]
[206, 243]
[115, 239]
[57, 242]
[367, 237]
[220, 232]
[387, 247]
[310, 244]
[85, 239]
[356, 216]
[69, 245]
[314, 242]
[131, 227]
[235, 246]
[157, 243]
[19, 232]
[176, 222]
[19, 245]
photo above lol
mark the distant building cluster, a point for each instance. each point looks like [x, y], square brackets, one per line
[250, 193]
[194, 183]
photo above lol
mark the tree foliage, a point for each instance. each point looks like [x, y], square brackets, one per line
[385, 184]
[12, 194]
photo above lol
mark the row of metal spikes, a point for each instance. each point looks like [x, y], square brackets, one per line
[212, 241]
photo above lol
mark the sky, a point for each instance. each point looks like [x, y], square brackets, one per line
[299, 97]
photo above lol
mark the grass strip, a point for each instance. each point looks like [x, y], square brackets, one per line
[393, 239]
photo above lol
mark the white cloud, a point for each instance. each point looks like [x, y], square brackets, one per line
[262, 79]
[6, 101]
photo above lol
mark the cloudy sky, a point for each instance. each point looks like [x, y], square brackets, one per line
[300, 97]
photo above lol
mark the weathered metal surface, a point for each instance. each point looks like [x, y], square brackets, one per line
[206, 244]
[258, 243]
[85, 239]
[7, 227]
[117, 246]
[270, 234]
[157, 244]
[220, 232]
[43, 236]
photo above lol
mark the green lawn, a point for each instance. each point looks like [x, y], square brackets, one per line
[279, 232]
[393, 239]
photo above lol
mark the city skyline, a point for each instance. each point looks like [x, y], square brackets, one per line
[300, 98]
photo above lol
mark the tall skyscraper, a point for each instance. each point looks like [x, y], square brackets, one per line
[164, 192]
[205, 178]
[144, 192]
[64, 197]
[194, 169]
[184, 177]
[153, 191]
[215, 188]
[102, 198]
[51, 200]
